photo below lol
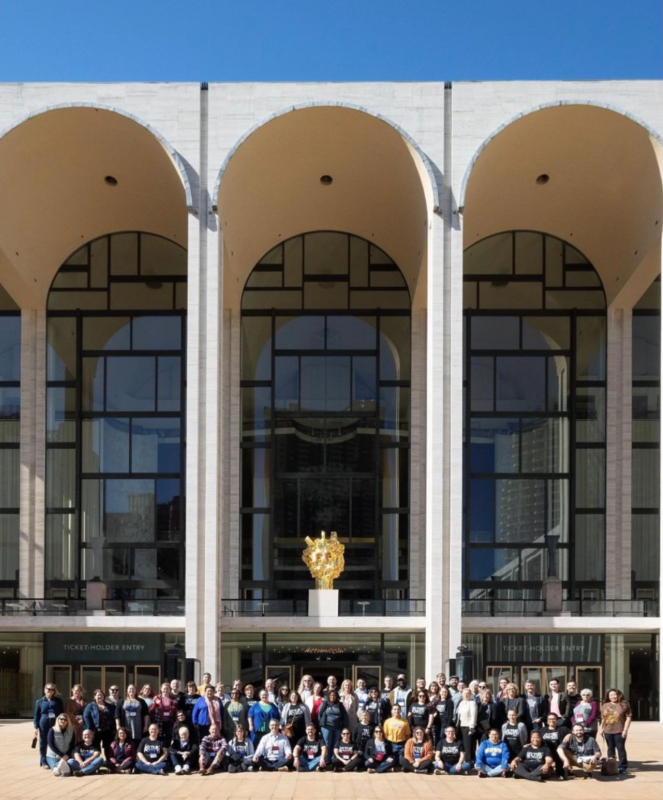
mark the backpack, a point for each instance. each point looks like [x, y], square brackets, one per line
[609, 767]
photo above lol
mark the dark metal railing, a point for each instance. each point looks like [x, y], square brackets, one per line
[232, 607]
[503, 608]
[146, 608]
[38, 606]
[382, 608]
[611, 608]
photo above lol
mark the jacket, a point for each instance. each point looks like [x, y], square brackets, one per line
[518, 703]
[426, 752]
[60, 744]
[129, 753]
[540, 711]
[562, 702]
[259, 716]
[370, 751]
[323, 714]
[488, 716]
[44, 708]
[176, 747]
[200, 714]
[491, 755]
[91, 715]
[408, 700]
[466, 714]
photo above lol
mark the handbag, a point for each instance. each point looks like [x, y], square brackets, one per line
[609, 767]
[289, 730]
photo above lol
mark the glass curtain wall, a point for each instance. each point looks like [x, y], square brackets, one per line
[325, 388]
[115, 418]
[10, 396]
[646, 490]
[534, 457]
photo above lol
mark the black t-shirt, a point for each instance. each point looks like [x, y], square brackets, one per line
[151, 750]
[345, 750]
[241, 748]
[553, 739]
[420, 713]
[450, 751]
[85, 750]
[533, 757]
[417, 747]
[310, 749]
[373, 708]
[511, 736]
[361, 735]
[294, 712]
[190, 702]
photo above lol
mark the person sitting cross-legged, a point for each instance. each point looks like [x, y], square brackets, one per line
[183, 752]
[493, 757]
[534, 762]
[378, 755]
[212, 751]
[240, 752]
[88, 755]
[346, 756]
[310, 752]
[450, 755]
[579, 750]
[152, 754]
[418, 755]
[274, 751]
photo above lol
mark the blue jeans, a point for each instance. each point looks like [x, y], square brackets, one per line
[454, 769]
[74, 766]
[381, 766]
[331, 738]
[151, 769]
[397, 751]
[93, 766]
[492, 772]
[272, 766]
[308, 766]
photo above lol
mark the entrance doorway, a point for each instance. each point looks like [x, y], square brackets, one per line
[541, 677]
[103, 677]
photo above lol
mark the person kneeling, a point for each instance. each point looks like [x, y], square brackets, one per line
[152, 753]
[240, 752]
[493, 757]
[346, 756]
[418, 755]
[183, 752]
[88, 756]
[534, 761]
[212, 751]
[274, 751]
[310, 751]
[450, 755]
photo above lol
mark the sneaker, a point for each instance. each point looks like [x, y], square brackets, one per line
[282, 769]
[483, 774]
[250, 769]
[370, 771]
[78, 774]
[56, 772]
[163, 773]
[186, 770]
[438, 772]
[178, 770]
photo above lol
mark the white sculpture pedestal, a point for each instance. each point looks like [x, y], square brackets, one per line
[95, 594]
[323, 602]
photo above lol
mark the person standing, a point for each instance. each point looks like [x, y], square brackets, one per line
[572, 700]
[466, 716]
[99, 717]
[362, 695]
[488, 714]
[514, 733]
[388, 685]
[401, 694]
[162, 713]
[74, 708]
[557, 701]
[444, 713]
[260, 716]
[421, 713]
[378, 708]
[586, 712]
[295, 716]
[234, 713]
[363, 732]
[534, 761]
[47, 709]
[332, 685]
[190, 699]
[132, 713]
[305, 687]
[113, 695]
[332, 719]
[616, 717]
[207, 710]
[207, 681]
[511, 700]
[349, 701]
[535, 707]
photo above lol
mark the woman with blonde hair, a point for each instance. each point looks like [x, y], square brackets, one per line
[147, 693]
[349, 700]
[74, 709]
[511, 699]
[60, 747]
[305, 689]
[466, 717]
[47, 709]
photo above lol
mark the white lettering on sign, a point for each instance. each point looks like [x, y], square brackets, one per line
[542, 648]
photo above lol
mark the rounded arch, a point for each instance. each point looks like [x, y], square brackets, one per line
[268, 189]
[55, 162]
[584, 171]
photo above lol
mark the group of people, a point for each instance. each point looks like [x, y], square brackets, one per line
[445, 728]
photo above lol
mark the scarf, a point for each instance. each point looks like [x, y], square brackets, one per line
[213, 711]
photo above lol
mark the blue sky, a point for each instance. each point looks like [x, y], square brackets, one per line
[337, 40]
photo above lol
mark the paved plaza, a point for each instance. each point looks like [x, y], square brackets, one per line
[21, 779]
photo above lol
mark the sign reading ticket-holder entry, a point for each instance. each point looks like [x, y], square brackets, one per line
[103, 648]
[551, 648]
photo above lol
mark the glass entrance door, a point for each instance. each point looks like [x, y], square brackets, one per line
[590, 678]
[103, 677]
[541, 677]
[60, 675]
[495, 674]
[282, 674]
[147, 674]
[371, 674]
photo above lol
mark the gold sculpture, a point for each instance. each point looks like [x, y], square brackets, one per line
[324, 558]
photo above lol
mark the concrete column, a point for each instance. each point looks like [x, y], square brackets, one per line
[32, 517]
[418, 457]
[231, 465]
[618, 455]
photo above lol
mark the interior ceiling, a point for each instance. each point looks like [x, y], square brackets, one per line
[271, 190]
[53, 196]
[604, 195]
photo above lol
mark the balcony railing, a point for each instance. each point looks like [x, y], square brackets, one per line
[146, 608]
[503, 608]
[486, 607]
[263, 608]
[382, 608]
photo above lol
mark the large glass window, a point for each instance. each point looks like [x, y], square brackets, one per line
[325, 415]
[535, 364]
[115, 418]
[10, 414]
[646, 481]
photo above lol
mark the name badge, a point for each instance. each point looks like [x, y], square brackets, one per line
[235, 717]
[51, 714]
[131, 713]
[166, 714]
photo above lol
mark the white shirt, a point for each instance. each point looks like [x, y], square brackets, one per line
[273, 747]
